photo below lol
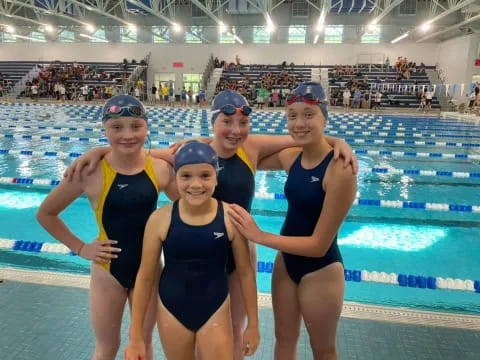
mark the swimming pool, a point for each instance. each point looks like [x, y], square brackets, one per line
[417, 213]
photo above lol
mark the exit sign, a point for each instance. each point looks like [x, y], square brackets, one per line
[178, 64]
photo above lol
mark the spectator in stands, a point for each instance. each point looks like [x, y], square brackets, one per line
[428, 99]
[34, 92]
[423, 101]
[183, 97]
[171, 95]
[190, 96]
[165, 92]
[153, 94]
[136, 92]
[421, 67]
[357, 98]
[366, 100]
[471, 99]
[346, 98]
[378, 100]
[202, 97]
[237, 60]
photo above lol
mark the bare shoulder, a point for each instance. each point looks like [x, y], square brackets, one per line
[162, 214]
[287, 157]
[231, 231]
[159, 221]
[340, 175]
[163, 171]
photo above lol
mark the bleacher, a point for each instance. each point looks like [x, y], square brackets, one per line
[12, 72]
[254, 73]
[393, 90]
[116, 70]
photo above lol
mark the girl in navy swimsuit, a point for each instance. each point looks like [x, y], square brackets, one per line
[308, 279]
[195, 236]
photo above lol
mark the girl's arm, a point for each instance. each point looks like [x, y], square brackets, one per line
[249, 291]
[340, 188]
[270, 145]
[147, 273]
[47, 215]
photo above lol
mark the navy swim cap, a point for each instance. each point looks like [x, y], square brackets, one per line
[195, 152]
[314, 90]
[123, 105]
[227, 97]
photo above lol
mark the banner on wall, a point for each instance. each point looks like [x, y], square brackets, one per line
[447, 86]
[462, 87]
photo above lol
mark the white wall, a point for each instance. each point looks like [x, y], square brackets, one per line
[456, 59]
[195, 57]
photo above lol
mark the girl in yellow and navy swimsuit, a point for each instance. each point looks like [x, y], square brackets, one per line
[122, 199]
[138, 193]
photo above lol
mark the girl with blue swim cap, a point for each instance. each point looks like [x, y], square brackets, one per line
[195, 236]
[123, 192]
[308, 275]
[240, 155]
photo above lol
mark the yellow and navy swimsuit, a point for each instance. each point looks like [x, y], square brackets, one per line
[236, 185]
[125, 205]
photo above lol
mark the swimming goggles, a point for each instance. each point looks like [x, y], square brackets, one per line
[307, 98]
[232, 109]
[118, 111]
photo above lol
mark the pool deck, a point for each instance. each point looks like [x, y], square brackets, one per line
[41, 321]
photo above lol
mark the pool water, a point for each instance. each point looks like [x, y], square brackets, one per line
[403, 241]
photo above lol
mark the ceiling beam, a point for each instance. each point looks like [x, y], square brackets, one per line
[456, 26]
[387, 10]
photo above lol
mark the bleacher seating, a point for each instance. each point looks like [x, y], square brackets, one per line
[12, 71]
[383, 80]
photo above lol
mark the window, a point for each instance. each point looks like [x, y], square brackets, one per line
[371, 36]
[160, 34]
[227, 37]
[66, 36]
[193, 37]
[260, 35]
[300, 9]
[8, 37]
[128, 35]
[38, 36]
[99, 35]
[296, 34]
[333, 34]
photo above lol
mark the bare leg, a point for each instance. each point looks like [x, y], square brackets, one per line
[321, 299]
[286, 311]
[177, 341]
[214, 340]
[150, 320]
[107, 302]
[236, 305]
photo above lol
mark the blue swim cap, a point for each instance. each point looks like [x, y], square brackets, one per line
[227, 97]
[123, 105]
[194, 152]
[314, 90]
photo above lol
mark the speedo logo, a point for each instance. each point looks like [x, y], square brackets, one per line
[218, 235]
[122, 186]
[314, 179]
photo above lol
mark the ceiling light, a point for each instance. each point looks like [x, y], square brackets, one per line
[9, 29]
[176, 27]
[90, 28]
[49, 28]
[401, 37]
[425, 27]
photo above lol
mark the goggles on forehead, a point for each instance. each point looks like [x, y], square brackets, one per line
[232, 109]
[118, 111]
[308, 98]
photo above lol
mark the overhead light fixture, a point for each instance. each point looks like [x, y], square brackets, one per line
[222, 27]
[315, 40]
[401, 37]
[176, 27]
[425, 26]
[321, 21]
[132, 27]
[90, 28]
[9, 29]
[49, 28]
[270, 28]
[320, 27]
[372, 27]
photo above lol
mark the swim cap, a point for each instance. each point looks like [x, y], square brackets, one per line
[313, 90]
[227, 97]
[194, 152]
[123, 105]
